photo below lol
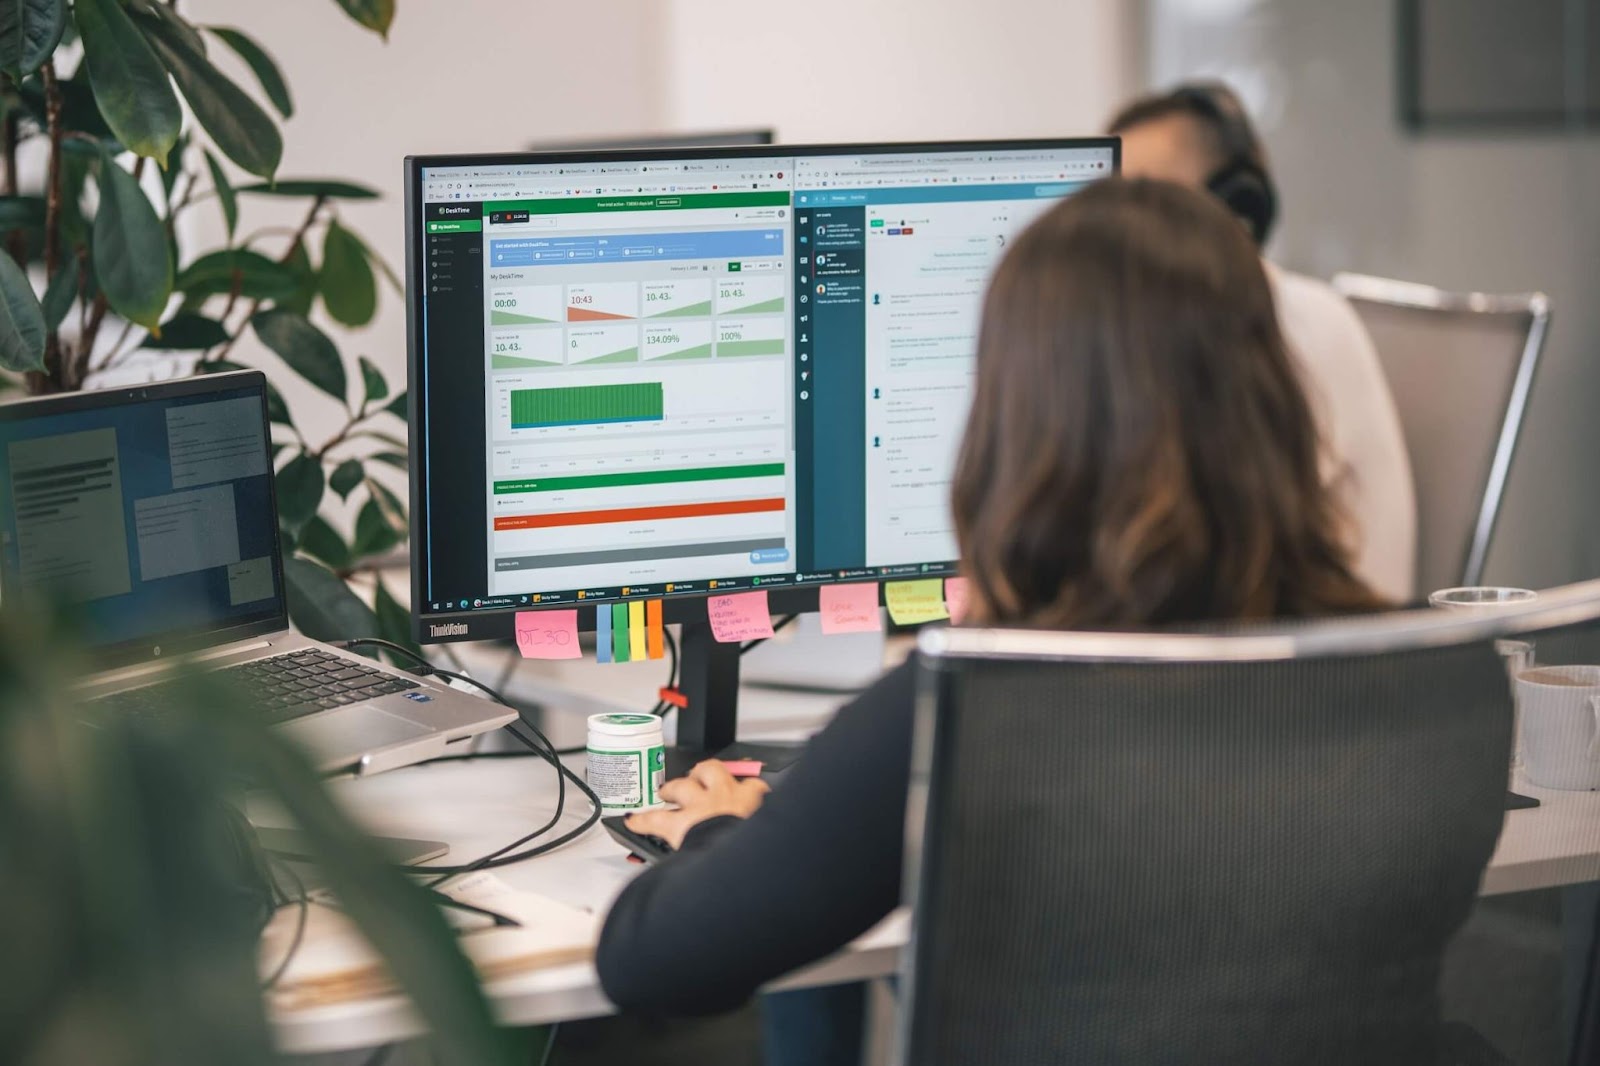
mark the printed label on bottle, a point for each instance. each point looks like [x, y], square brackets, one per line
[618, 778]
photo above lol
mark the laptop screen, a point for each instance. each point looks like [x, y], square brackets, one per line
[148, 512]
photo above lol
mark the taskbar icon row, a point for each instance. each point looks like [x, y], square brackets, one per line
[711, 586]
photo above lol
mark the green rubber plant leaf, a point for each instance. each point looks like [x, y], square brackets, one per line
[261, 63]
[225, 194]
[373, 14]
[349, 290]
[321, 541]
[305, 348]
[22, 328]
[130, 85]
[156, 11]
[59, 295]
[29, 33]
[372, 378]
[374, 534]
[300, 485]
[322, 606]
[329, 188]
[307, 281]
[236, 124]
[400, 407]
[398, 460]
[394, 621]
[255, 276]
[132, 259]
[188, 332]
[346, 476]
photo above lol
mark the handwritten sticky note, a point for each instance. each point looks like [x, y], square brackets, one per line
[652, 626]
[850, 608]
[740, 616]
[619, 633]
[914, 602]
[743, 767]
[548, 634]
[602, 634]
[955, 598]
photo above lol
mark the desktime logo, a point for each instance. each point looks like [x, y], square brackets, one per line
[449, 629]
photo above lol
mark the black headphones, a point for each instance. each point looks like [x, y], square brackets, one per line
[1241, 182]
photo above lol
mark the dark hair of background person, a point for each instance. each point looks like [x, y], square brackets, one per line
[1237, 172]
[1139, 449]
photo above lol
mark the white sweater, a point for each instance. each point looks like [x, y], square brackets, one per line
[1364, 451]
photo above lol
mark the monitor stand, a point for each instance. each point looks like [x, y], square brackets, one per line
[708, 677]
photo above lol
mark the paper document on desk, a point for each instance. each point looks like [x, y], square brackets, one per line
[335, 964]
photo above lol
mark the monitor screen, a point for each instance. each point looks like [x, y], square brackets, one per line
[667, 374]
[148, 511]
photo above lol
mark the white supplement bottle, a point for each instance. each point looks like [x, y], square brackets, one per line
[627, 760]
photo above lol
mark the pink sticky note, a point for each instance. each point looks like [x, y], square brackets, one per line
[548, 634]
[850, 608]
[740, 616]
[955, 598]
[743, 767]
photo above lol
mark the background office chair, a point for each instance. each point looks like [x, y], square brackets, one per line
[1461, 368]
[1239, 848]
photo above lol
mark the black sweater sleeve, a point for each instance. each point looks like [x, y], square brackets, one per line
[747, 901]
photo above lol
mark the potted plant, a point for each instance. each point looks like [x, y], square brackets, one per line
[101, 164]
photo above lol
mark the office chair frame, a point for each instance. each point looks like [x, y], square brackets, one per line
[1408, 295]
[1347, 637]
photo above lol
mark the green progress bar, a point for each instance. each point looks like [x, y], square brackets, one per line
[586, 404]
[639, 477]
[765, 347]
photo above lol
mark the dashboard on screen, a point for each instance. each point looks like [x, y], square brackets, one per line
[660, 376]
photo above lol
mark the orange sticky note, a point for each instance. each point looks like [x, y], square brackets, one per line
[955, 598]
[740, 616]
[850, 608]
[652, 626]
[548, 634]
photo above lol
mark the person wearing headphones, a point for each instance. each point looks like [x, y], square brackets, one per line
[1200, 135]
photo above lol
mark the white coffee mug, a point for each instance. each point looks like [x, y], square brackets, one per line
[1560, 708]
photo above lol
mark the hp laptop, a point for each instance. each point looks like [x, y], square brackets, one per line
[151, 513]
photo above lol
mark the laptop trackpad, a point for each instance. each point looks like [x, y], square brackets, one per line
[351, 731]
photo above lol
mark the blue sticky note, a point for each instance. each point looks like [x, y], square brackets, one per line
[602, 634]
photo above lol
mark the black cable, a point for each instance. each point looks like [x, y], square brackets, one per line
[542, 747]
[304, 900]
[549, 1044]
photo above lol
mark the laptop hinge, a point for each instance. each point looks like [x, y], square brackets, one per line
[142, 670]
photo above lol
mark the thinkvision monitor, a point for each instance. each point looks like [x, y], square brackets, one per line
[668, 374]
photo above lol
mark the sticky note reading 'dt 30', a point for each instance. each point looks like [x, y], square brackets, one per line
[548, 634]
[849, 608]
[739, 617]
[914, 602]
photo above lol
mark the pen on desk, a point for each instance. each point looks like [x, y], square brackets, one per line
[503, 921]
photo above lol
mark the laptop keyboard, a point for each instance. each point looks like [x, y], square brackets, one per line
[281, 687]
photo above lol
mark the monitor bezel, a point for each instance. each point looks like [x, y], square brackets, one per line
[500, 623]
[165, 645]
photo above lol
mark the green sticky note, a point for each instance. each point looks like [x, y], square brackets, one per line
[914, 602]
[619, 633]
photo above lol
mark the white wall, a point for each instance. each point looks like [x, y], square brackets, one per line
[1492, 211]
[846, 70]
[454, 77]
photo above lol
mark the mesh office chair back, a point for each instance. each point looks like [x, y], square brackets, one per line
[1461, 367]
[1194, 849]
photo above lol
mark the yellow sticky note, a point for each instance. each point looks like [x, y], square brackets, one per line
[636, 628]
[914, 602]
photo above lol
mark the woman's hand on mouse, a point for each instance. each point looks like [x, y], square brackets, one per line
[709, 791]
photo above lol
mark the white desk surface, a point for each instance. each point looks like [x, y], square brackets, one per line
[480, 805]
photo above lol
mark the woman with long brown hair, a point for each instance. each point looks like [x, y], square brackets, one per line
[1138, 453]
